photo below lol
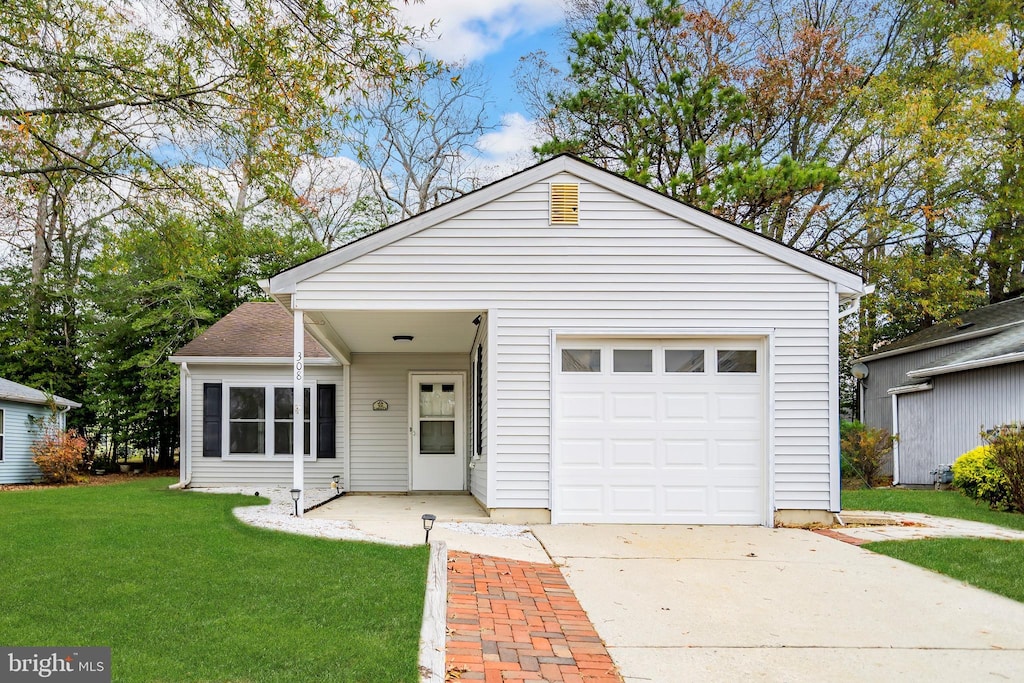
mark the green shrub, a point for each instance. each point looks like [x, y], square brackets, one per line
[977, 475]
[863, 448]
[1007, 449]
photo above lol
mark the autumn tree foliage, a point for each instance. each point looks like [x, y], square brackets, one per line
[882, 136]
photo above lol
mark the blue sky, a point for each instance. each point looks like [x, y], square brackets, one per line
[494, 34]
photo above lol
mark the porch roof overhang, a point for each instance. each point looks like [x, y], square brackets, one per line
[345, 332]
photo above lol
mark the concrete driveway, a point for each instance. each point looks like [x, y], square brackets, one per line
[743, 603]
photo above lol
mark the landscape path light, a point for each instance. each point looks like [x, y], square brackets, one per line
[428, 524]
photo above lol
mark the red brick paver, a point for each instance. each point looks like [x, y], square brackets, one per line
[519, 621]
[840, 536]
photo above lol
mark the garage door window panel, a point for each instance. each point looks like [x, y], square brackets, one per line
[581, 360]
[737, 361]
[684, 360]
[632, 360]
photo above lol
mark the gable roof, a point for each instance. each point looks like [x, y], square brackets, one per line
[253, 330]
[981, 322]
[19, 393]
[849, 283]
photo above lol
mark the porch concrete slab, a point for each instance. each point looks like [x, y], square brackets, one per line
[461, 523]
[448, 508]
[737, 603]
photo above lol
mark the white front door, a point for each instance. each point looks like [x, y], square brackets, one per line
[437, 432]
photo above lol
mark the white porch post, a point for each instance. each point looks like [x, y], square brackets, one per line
[297, 405]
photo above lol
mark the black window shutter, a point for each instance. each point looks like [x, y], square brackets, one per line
[325, 421]
[212, 414]
[479, 426]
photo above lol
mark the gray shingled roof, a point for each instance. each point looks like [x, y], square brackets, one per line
[999, 345]
[12, 391]
[253, 330]
[980, 322]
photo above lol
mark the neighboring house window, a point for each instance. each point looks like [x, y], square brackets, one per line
[1, 434]
[260, 417]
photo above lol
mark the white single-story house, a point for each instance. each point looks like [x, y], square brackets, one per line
[22, 411]
[939, 388]
[563, 344]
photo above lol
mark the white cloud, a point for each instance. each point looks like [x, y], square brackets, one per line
[506, 150]
[471, 29]
[515, 135]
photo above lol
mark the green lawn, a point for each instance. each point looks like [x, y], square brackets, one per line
[939, 503]
[991, 564]
[987, 563]
[182, 591]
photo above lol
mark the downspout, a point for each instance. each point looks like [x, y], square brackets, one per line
[895, 441]
[185, 455]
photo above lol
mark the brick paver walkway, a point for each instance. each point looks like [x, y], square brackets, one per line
[519, 621]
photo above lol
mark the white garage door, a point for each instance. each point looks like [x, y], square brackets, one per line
[659, 432]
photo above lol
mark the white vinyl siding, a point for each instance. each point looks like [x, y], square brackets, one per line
[379, 440]
[626, 267]
[264, 472]
[16, 466]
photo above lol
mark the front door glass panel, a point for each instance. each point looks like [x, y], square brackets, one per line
[437, 419]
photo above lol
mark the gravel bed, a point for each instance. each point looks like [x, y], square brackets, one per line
[278, 515]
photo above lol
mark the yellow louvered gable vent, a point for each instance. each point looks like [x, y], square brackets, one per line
[565, 204]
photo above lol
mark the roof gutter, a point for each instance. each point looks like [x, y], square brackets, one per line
[853, 304]
[967, 365]
[910, 389]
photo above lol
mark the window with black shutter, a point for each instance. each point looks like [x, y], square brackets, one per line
[212, 415]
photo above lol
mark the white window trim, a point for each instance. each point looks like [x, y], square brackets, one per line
[268, 397]
[3, 422]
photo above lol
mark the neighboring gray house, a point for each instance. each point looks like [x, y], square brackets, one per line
[563, 345]
[18, 403]
[938, 388]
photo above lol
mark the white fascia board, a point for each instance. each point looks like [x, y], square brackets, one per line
[247, 360]
[848, 283]
[285, 282]
[910, 389]
[967, 365]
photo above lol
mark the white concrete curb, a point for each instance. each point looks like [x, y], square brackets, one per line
[435, 616]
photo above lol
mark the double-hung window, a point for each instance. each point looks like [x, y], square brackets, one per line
[260, 421]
